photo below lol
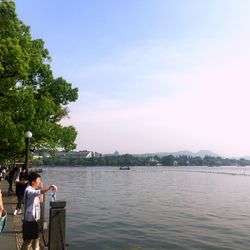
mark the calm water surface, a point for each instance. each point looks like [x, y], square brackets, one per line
[154, 208]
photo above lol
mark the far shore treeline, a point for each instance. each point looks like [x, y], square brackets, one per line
[130, 160]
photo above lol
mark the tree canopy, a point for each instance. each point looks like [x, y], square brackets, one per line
[30, 97]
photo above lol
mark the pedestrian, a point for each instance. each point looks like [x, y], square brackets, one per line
[21, 184]
[33, 195]
[4, 171]
[3, 214]
[1, 174]
[10, 178]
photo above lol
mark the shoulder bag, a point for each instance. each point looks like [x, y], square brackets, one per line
[3, 220]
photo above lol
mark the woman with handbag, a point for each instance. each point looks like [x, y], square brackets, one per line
[32, 198]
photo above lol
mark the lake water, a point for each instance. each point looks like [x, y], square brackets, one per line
[154, 208]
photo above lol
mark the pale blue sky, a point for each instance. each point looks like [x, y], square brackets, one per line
[153, 75]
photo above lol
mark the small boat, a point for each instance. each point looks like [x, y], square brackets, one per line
[124, 168]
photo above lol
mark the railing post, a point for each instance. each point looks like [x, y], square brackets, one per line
[42, 220]
[57, 219]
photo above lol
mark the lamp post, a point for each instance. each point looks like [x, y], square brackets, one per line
[28, 135]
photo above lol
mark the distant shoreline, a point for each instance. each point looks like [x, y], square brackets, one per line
[131, 160]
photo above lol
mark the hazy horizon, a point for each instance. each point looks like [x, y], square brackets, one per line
[182, 152]
[153, 76]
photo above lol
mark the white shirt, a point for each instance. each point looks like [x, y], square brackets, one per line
[31, 204]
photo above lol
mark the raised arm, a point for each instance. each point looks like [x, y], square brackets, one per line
[52, 187]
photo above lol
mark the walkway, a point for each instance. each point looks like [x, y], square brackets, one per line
[11, 237]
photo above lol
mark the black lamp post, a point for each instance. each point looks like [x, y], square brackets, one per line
[28, 135]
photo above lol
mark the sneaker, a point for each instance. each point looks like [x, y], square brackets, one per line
[19, 211]
[15, 212]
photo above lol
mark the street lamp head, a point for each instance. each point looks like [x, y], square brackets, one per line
[28, 134]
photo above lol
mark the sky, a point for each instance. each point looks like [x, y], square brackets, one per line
[153, 75]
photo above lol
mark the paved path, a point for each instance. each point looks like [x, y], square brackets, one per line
[11, 237]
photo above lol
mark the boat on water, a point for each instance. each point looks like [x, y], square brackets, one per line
[124, 168]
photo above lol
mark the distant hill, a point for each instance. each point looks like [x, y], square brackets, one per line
[246, 157]
[201, 153]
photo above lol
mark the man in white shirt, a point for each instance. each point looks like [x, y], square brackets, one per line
[32, 199]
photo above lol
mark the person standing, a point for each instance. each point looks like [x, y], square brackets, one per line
[32, 197]
[21, 184]
[11, 177]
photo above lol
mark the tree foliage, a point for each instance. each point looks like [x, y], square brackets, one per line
[30, 97]
[106, 160]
